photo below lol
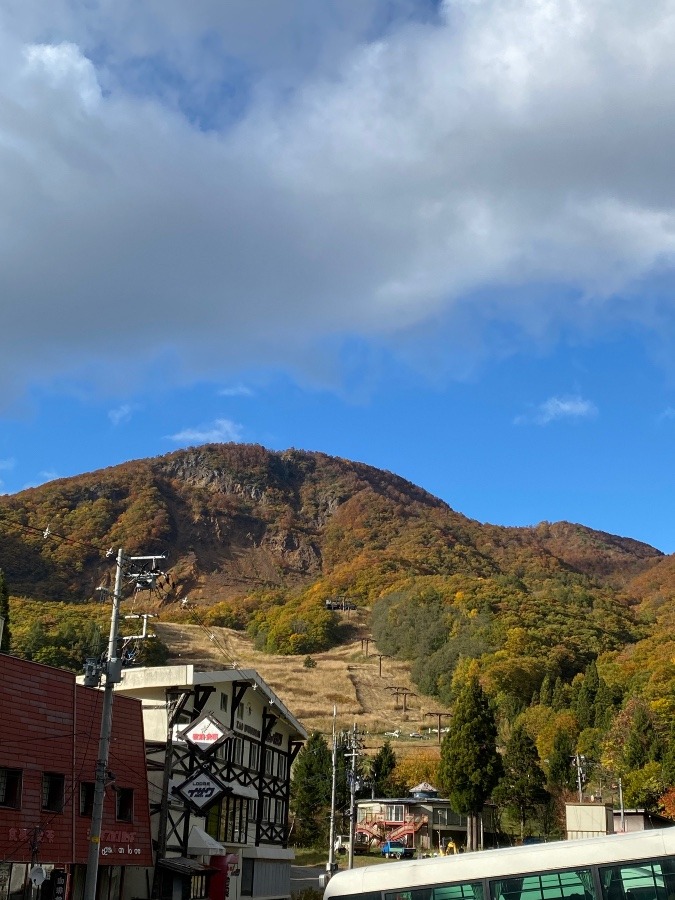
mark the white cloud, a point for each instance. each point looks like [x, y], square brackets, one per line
[236, 390]
[7, 464]
[122, 413]
[368, 186]
[570, 409]
[667, 414]
[222, 430]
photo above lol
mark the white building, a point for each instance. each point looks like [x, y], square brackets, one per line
[238, 846]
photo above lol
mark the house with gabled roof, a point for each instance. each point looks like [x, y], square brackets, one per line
[422, 820]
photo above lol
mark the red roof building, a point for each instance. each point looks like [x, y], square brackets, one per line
[49, 736]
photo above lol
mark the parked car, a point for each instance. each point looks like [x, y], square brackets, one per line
[397, 850]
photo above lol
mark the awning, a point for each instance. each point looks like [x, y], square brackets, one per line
[202, 844]
[184, 865]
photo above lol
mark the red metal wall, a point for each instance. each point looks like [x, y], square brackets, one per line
[48, 723]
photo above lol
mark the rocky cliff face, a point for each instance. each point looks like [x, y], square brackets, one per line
[234, 518]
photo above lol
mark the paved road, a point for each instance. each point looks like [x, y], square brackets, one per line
[303, 877]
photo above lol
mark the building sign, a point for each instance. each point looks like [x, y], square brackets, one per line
[200, 790]
[59, 880]
[25, 834]
[117, 842]
[206, 733]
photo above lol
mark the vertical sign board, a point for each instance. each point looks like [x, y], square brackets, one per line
[200, 791]
[206, 733]
[202, 788]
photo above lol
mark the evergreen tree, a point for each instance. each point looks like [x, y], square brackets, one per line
[585, 700]
[311, 792]
[559, 696]
[381, 771]
[522, 787]
[643, 744]
[546, 691]
[470, 765]
[4, 613]
[561, 775]
[603, 708]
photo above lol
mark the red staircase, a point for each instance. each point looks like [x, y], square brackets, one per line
[411, 825]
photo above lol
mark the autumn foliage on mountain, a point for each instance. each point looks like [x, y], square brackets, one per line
[259, 540]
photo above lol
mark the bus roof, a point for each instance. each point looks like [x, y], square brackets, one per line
[511, 861]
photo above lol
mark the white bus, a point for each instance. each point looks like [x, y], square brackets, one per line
[638, 866]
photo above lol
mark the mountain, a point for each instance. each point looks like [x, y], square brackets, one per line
[235, 518]
[259, 540]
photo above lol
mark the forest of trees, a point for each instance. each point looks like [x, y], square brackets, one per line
[485, 758]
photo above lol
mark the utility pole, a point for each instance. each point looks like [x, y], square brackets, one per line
[112, 669]
[380, 657]
[579, 762]
[330, 867]
[354, 748]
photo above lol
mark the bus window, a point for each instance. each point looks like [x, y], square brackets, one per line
[576, 884]
[473, 891]
[415, 894]
[638, 881]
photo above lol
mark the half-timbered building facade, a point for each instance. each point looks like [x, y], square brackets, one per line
[220, 745]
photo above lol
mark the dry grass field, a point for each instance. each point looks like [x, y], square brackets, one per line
[350, 677]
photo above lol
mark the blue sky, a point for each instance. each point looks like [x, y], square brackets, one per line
[436, 237]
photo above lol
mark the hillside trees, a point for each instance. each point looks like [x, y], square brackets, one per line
[64, 635]
[4, 614]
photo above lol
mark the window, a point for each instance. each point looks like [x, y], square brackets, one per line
[280, 813]
[237, 750]
[198, 887]
[227, 821]
[17, 883]
[394, 813]
[576, 884]
[648, 880]
[471, 891]
[86, 798]
[223, 702]
[253, 756]
[53, 786]
[10, 788]
[125, 804]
